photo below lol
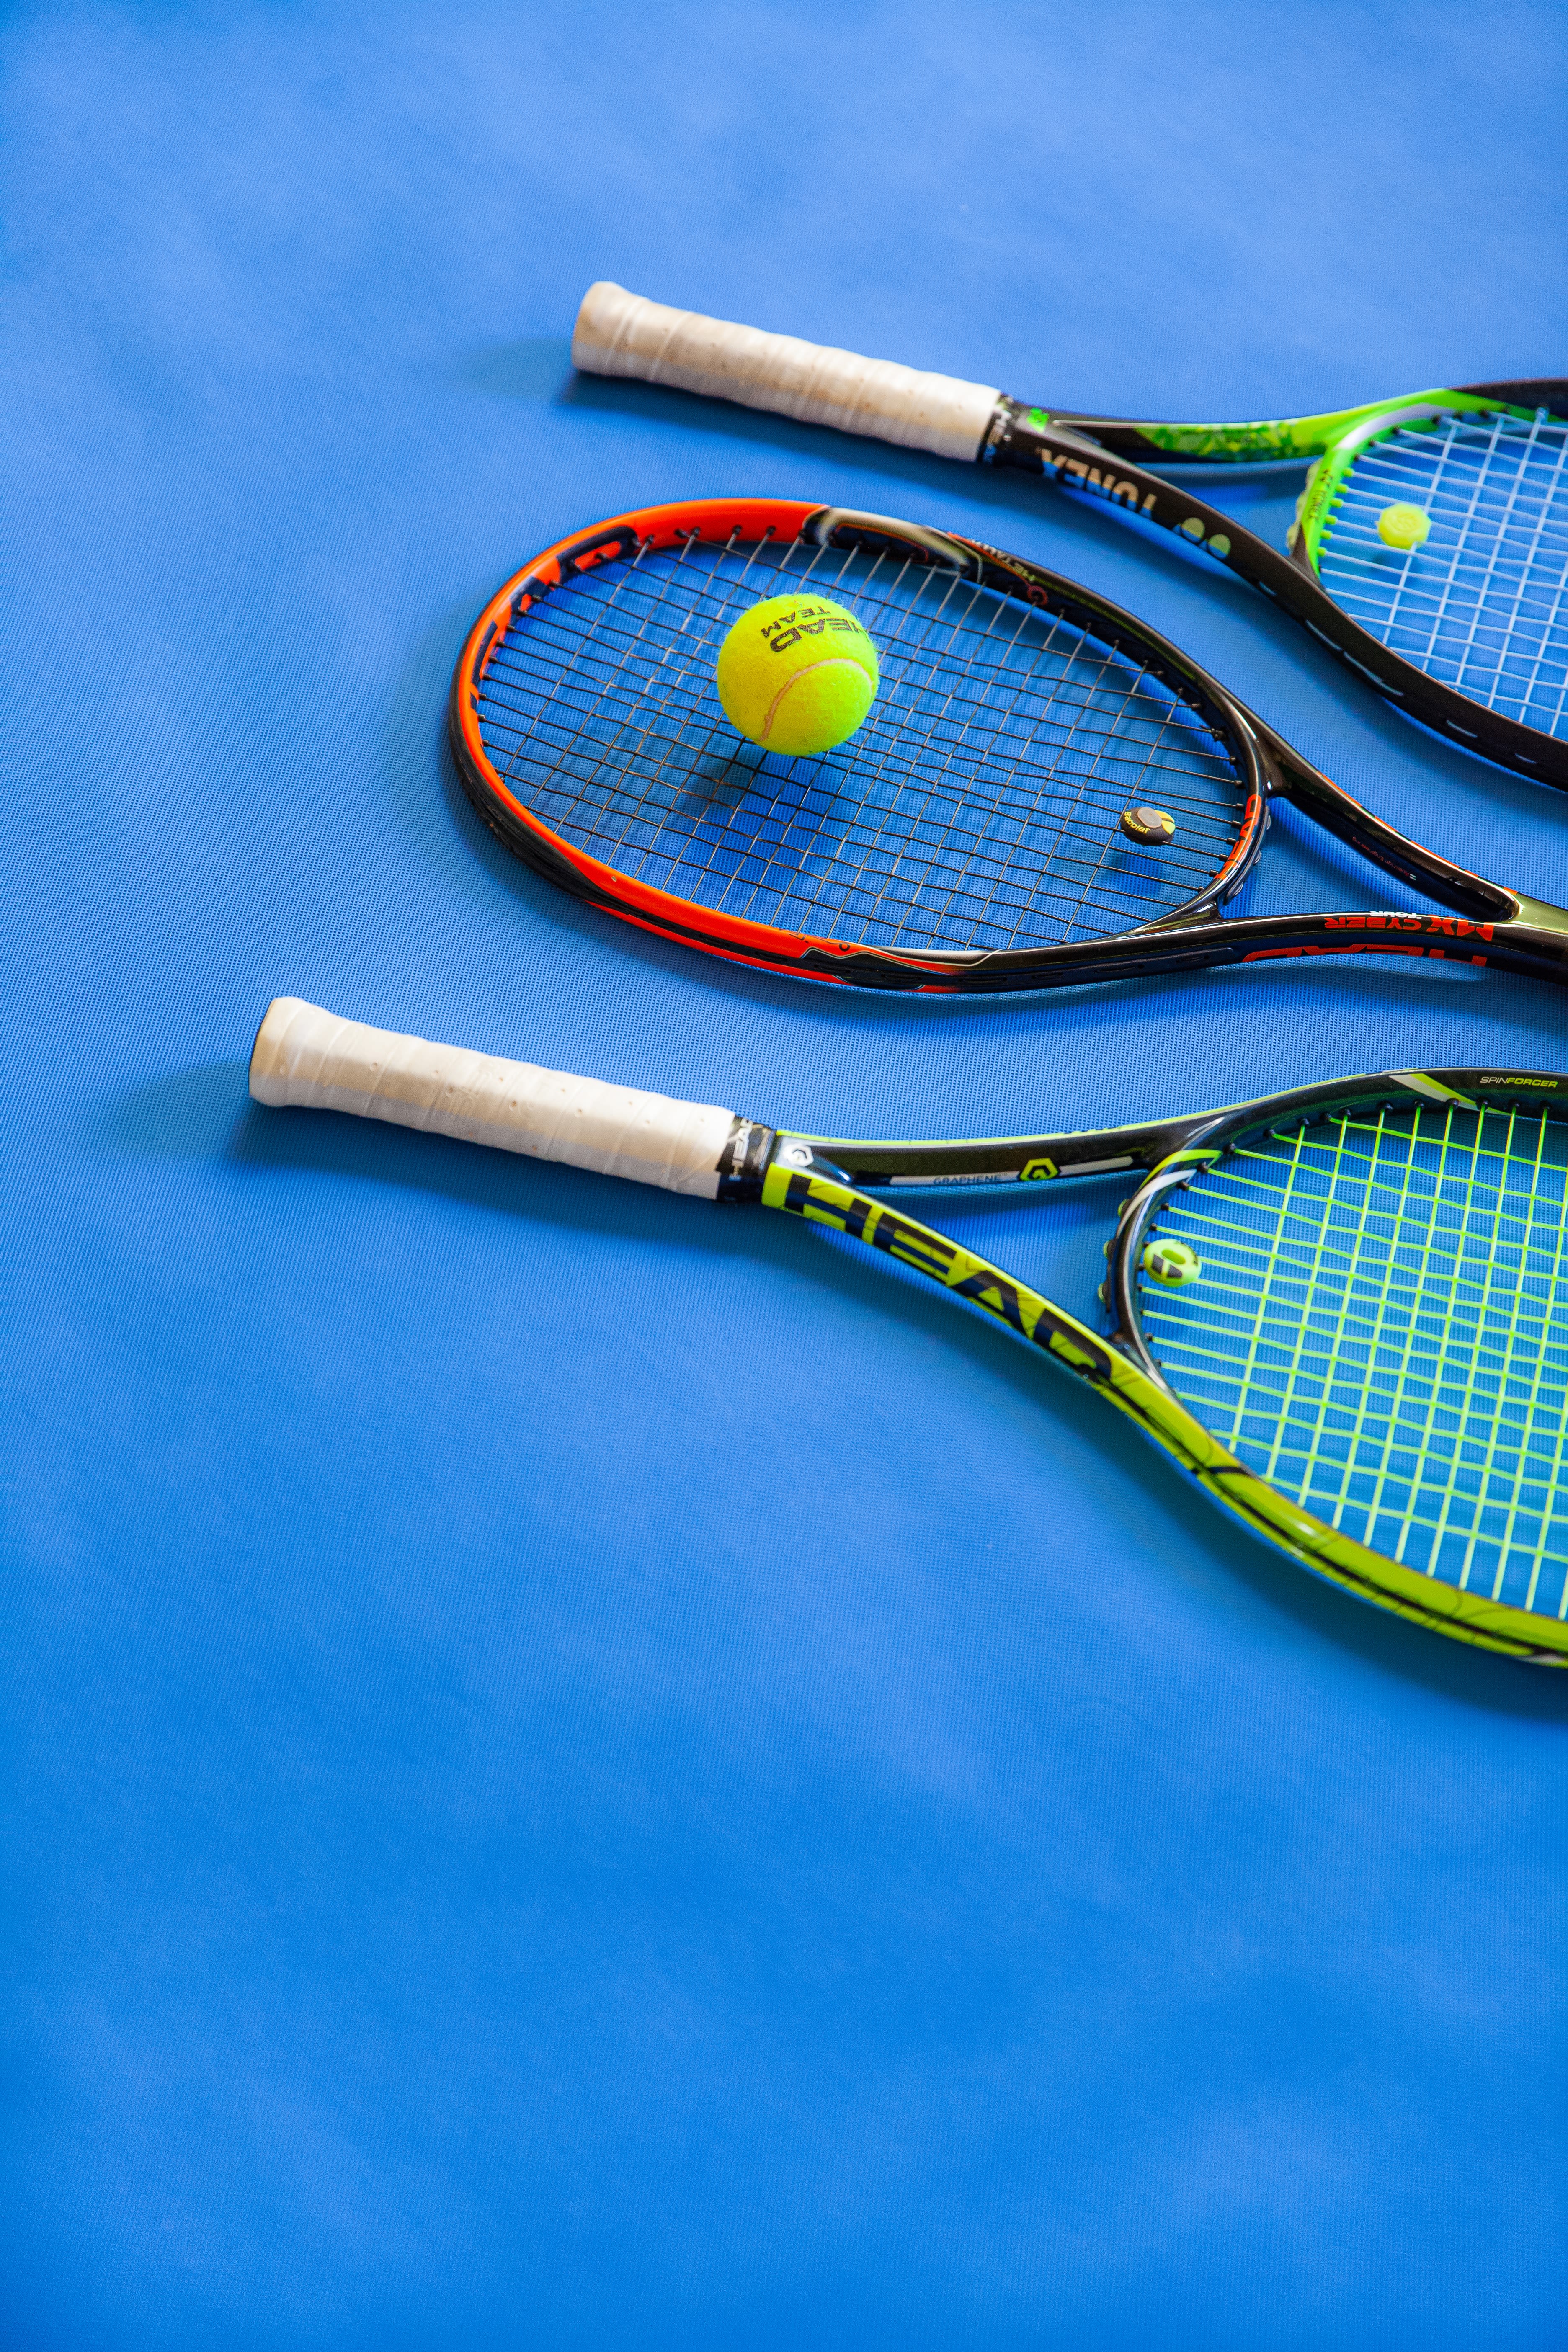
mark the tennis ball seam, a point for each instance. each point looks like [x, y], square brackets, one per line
[836, 661]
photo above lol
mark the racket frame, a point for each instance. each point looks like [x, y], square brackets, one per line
[1070, 452]
[844, 1185]
[1487, 924]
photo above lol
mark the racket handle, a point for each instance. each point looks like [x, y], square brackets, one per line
[310, 1057]
[620, 334]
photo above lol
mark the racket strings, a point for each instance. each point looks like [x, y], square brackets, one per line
[1482, 604]
[977, 808]
[1379, 1328]
[528, 660]
[1066, 697]
[941, 632]
[963, 817]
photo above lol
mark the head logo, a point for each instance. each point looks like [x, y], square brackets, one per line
[807, 621]
[1035, 1172]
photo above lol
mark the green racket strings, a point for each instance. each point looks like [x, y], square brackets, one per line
[1378, 1328]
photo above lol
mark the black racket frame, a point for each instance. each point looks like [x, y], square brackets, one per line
[1071, 449]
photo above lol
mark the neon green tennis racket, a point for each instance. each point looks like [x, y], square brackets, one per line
[1343, 1311]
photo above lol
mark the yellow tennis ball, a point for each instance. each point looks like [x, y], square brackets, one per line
[1402, 526]
[797, 674]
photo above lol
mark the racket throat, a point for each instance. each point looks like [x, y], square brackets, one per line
[1436, 878]
[1033, 442]
[1540, 914]
[743, 1163]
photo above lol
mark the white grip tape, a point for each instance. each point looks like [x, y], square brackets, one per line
[620, 334]
[306, 1057]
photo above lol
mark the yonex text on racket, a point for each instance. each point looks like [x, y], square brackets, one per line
[1430, 551]
[1044, 791]
[1343, 1311]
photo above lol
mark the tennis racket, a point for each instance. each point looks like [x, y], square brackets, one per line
[1430, 550]
[1341, 1309]
[1045, 790]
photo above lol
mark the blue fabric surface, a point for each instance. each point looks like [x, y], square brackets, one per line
[582, 1770]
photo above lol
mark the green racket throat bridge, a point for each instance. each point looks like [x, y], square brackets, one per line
[1271, 442]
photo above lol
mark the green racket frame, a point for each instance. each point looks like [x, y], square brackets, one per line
[828, 1183]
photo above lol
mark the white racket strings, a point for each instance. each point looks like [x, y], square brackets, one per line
[1481, 604]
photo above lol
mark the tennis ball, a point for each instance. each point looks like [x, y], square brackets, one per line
[1402, 526]
[797, 674]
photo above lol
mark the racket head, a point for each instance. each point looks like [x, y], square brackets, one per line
[1474, 594]
[1363, 1294]
[971, 825]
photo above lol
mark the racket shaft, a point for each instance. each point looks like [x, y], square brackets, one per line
[306, 1057]
[623, 334]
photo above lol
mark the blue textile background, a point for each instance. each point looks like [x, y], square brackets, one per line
[583, 1771]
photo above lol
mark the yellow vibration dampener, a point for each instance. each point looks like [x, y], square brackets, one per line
[1403, 526]
[1171, 1261]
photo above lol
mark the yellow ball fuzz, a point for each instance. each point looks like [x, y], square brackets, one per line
[797, 674]
[1402, 526]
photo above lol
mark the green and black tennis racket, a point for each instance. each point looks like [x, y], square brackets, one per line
[1342, 1309]
[1430, 550]
[1044, 791]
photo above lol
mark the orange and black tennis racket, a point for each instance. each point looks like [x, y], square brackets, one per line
[1044, 791]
